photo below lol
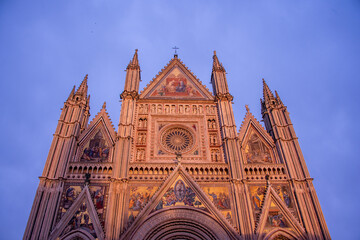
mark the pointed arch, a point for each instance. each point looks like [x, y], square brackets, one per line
[281, 234]
[79, 233]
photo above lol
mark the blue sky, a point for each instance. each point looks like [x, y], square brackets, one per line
[306, 50]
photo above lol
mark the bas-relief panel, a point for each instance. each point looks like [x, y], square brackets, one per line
[220, 198]
[256, 151]
[176, 85]
[139, 197]
[97, 192]
[96, 150]
[80, 220]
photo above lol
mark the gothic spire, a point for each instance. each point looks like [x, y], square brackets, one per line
[268, 95]
[72, 93]
[278, 99]
[217, 66]
[134, 62]
[133, 78]
[82, 90]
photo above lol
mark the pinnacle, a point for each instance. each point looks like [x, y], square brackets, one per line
[134, 62]
[217, 66]
[104, 105]
[83, 86]
[247, 108]
[267, 92]
[72, 93]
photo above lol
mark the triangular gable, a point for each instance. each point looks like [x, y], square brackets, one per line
[180, 194]
[253, 137]
[101, 132]
[188, 193]
[176, 81]
[276, 216]
[80, 218]
[101, 118]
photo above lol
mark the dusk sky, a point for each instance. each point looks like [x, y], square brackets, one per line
[307, 50]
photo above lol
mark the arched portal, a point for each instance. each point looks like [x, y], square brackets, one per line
[181, 223]
[281, 234]
[78, 234]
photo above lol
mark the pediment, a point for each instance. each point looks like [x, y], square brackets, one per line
[179, 190]
[256, 144]
[97, 141]
[276, 216]
[80, 218]
[176, 81]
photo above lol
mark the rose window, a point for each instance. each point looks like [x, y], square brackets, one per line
[177, 140]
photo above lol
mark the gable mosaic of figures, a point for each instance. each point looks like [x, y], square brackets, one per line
[176, 167]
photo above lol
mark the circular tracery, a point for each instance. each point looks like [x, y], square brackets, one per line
[177, 140]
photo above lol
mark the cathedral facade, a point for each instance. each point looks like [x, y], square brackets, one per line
[176, 167]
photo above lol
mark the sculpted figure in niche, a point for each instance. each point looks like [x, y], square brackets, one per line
[140, 155]
[209, 124]
[207, 109]
[172, 109]
[181, 109]
[200, 109]
[167, 109]
[215, 156]
[256, 151]
[187, 109]
[153, 108]
[159, 110]
[141, 108]
[145, 123]
[194, 109]
[213, 125]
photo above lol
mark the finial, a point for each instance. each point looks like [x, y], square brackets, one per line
[214, 52]
[175, 48]
[104, 105]
[136, 50]
[247, 108]
[86, 77]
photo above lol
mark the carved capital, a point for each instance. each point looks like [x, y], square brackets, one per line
[224, 97]
[129, 95]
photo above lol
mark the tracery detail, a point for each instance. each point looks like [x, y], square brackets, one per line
[177, 140]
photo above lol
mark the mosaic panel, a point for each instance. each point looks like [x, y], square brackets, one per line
[80, 220]
[97, 192]
[256, 151]
[220, 198]
[139, 197]
[96, 150]
[176, 84]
